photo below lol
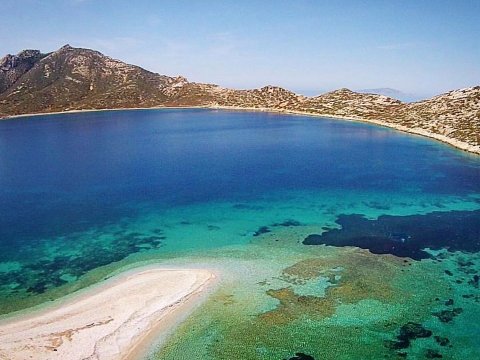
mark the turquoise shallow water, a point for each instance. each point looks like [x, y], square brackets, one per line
[85, 195]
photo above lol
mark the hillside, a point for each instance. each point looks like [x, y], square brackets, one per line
[75, 79]
[455, 114]
[71, 78]
[393, 93]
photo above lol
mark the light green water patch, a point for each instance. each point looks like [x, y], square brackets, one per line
[454, 317]
[365, 299]
[363, 313]
[312, 287]
[457, 317]
[10, 266]
[278, 297]
[216, 224]
[51, 267]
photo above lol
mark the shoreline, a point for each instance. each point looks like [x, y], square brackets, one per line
[118, 318]
[10, 117]
[460, 145]
[152, 340]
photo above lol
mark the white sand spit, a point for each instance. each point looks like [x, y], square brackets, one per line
[106, 321]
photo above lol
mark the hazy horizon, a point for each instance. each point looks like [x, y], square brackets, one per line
[309, 47]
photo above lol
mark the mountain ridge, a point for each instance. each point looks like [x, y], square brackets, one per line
[83, 79]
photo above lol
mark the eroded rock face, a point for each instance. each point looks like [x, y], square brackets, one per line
[15, 61]
[12, 67]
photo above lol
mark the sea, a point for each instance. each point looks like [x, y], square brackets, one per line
[333, 239]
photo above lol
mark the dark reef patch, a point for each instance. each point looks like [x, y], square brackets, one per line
[442, 341]
[301, 356]
[38, 277]
[288, 223]
[405, 236]
[474, 281]
[262, 230]
[433, 354]
[408, 332]
[447, 316]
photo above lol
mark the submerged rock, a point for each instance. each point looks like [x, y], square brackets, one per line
[301, 356]
[288, 223]
[408, 332]
[442, 341]
[433, 354]
[447, 316]
[465, 263]
[474, 281]
[449, 302]
[262, 230]
[46, 274]
[397, 345]
[413, 331]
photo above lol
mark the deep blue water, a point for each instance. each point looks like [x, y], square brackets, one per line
[252, 195]
[65, 173]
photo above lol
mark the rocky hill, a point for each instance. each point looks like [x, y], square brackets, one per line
[455, 114]
[453, 117]
[347, 103]
[74, 79]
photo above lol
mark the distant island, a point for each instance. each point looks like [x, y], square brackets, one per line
[75, 79]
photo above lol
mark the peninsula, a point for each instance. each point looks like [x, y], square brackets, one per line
[75, 79]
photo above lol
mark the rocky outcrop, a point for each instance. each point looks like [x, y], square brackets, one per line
[12, 67]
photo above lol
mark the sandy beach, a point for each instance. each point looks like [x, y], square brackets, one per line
[112, 320]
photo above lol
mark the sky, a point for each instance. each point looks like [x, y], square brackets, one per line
[422, 47]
